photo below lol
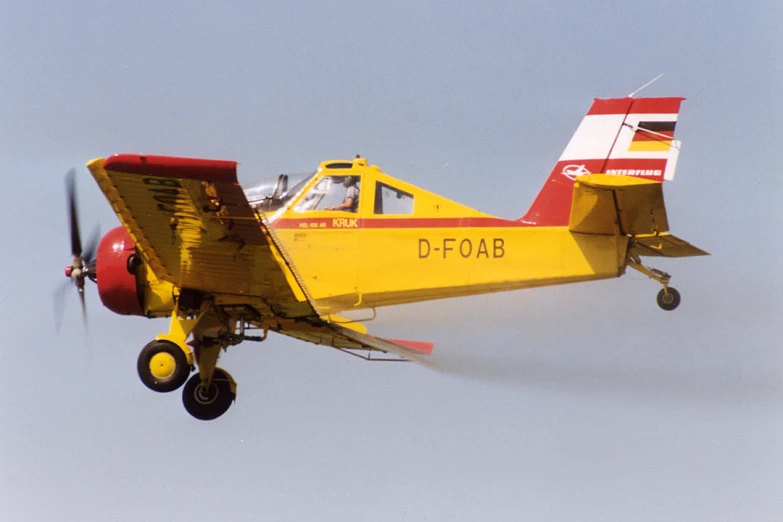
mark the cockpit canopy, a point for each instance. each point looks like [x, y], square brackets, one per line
[272, 193]
[328, 192]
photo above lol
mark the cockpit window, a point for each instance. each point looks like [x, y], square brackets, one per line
[389, 200]
[329, 192]
[341, 165]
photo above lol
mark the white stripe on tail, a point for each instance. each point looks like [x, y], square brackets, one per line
[628, 136]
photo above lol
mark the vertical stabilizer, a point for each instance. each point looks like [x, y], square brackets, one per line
[628, 136]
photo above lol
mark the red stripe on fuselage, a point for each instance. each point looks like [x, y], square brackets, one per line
[478, 222]
[349, 222]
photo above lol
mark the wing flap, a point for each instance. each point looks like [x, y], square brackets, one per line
[353, 336]
[415, 351]
[193, 225]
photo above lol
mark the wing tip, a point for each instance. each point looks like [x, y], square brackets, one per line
[422, 347]
[173, 167]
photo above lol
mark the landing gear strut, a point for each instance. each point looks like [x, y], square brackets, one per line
[668, 297]
[165, 363]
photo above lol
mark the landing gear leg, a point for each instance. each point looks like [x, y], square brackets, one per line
[668, 297]
[165, 363]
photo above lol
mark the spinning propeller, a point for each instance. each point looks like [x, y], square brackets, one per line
[83, 265]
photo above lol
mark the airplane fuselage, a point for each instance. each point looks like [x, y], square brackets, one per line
[436, 249]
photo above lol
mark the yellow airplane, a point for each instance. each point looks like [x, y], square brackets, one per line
[228, 264]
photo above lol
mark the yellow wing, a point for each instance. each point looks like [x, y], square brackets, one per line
[195, 229]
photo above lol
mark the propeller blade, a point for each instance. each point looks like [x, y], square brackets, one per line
[84, 307]
[84, 261]
[70, 188]
[59, 304]
[92, 246]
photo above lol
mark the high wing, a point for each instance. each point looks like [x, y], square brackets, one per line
[191, 221]
[193, 225]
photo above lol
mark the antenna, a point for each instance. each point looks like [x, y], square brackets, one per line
[643, 86]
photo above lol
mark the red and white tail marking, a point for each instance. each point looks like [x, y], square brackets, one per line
[627, 136]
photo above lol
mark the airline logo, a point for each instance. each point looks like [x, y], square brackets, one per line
[573, 171]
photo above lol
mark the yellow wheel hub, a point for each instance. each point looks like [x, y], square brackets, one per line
[162, 365]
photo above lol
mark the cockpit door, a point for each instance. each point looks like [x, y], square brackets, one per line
[325, 243]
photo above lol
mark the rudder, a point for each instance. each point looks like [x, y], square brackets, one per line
[627, 136]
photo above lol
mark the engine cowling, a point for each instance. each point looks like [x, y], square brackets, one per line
[116, 273]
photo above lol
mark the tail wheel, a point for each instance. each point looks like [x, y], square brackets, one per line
[208, 403]
[163, 366]
[668, 298]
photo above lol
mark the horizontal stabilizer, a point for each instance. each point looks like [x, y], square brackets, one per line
[602, 202]
[665, 245]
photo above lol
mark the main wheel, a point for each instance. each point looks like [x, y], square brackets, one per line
[208, 404]
[669, 301]
[163, 366]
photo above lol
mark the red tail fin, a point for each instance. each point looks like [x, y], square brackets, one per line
[629, 136]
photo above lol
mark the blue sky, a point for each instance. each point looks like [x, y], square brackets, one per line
[582, 402]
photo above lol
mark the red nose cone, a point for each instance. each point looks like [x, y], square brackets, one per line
[68, 270]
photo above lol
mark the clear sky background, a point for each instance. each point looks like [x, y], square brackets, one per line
[581, 402]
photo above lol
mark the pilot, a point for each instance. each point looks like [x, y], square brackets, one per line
[351, 201]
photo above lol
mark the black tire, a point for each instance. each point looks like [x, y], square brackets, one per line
[163, 383]
[669, 302]
[215, 402]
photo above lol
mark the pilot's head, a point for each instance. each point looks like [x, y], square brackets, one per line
[349, 181]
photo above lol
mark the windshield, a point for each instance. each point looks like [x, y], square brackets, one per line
[270, 194]
[328, 192]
